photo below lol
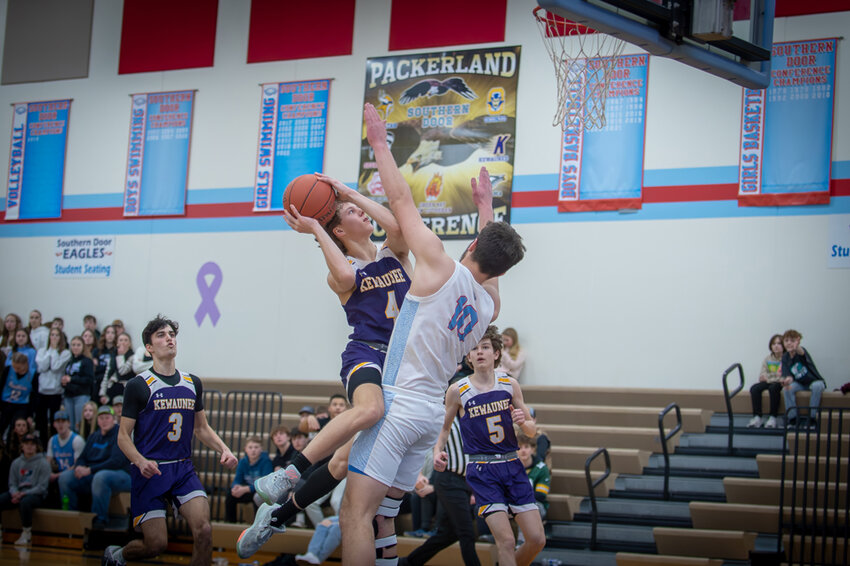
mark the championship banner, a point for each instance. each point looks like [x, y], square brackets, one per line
[602, 169]
[36, 171]
[293, 125]
[158, 153]
[786, 129]
[448, 114]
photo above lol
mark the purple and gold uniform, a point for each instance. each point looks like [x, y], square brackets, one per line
[494, 473]
[164, 409]
[380, 286]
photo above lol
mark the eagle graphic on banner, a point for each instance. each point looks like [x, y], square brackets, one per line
[433, 87]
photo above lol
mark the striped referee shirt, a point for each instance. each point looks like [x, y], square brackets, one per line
[454, 448]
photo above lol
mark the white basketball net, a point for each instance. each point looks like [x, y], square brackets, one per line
[583, 60]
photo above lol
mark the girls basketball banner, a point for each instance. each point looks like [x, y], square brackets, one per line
[36, 171]
[448, 113]
[786, 129]
[291, 142]
[602, 169]
[158, 153]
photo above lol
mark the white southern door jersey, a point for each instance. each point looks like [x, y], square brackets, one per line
[432, 334]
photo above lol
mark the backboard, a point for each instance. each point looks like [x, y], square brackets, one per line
[699, 33]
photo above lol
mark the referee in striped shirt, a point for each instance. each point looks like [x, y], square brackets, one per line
[454, 513]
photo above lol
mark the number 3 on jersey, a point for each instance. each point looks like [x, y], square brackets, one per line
[176, 420]
[392, 307]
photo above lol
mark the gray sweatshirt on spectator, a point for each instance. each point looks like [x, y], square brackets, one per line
[30, 477]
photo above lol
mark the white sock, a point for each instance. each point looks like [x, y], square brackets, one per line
[118, 555]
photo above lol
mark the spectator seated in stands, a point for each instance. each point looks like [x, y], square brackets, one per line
[63, 449]
[285, 450]
[253, 465]
[327, 536]
[799, 373]
[51, 361]
[101, 470]
[542, 444]
[538, 473]
[770, 378]
[88, 421]
[118, 407]
[16, 385]
[28, 478]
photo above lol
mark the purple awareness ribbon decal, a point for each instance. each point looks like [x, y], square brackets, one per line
[208, 292]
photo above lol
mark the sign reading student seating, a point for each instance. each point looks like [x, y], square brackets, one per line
[36, 170]
[158, 153]
[83, 257]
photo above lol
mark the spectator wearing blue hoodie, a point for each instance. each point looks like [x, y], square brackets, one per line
[253, 465]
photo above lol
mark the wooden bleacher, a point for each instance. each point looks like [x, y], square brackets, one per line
[577, 420]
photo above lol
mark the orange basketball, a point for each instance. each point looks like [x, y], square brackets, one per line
[311, 197]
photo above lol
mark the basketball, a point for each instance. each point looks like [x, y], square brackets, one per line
[311, 197]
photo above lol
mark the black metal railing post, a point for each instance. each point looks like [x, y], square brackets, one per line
[591, 490]
[664, 438]
[727, 396]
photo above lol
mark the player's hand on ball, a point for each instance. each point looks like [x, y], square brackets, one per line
[228, 460]
[376, 129]
[149, 469]
[299, 223]
[343, 191]
[518, 415]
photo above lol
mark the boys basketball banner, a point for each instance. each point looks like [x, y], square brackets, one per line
[786, 129]
[36, 171]
[448, 113]
[293, 124]
[158, 153]
[602, 169]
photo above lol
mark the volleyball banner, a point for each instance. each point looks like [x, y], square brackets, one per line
[291, 142]
[602, 169]
[158, 153]
[36, 171]
[448, 113]
[786, 129]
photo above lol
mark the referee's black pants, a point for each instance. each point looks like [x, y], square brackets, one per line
[454, 521]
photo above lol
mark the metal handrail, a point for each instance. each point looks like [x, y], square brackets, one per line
[664, 438]
[591, 490]
[728, 398]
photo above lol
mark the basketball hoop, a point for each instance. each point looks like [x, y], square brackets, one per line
[583, 60]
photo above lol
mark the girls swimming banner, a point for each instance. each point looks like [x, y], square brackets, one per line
[602, 169]
[448, 114]
[293, 125]
[786, 129]
[158, 153]
[36, 171]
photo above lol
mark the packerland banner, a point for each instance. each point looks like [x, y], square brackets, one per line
[448, 114]
[158, 153]
[786, 129]
[36, 171]
[293, 123]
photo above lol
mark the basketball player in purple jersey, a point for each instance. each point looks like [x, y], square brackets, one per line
[489, 404]
[371, 283]
[443, 317]
[163, 409]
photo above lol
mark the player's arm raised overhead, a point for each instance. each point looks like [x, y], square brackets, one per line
[482, 196]
[433, 266]
[341, 277]
[378, 213]
[452, 406]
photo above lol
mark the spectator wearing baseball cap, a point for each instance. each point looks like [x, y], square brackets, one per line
[118, 406]
[28, 480]
[100, 470]
[63, 449]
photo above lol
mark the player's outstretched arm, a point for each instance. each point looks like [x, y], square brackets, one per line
[378, 213]
[425, 245]
[208, 436]
[452, 405]
[482, 196]
[341, 278]
[522, 416]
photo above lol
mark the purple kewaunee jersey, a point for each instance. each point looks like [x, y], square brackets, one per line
[380, 287]
[486, 425]
[165, 426]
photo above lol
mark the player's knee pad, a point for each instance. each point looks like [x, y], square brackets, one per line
[389, 507]
[382, 548]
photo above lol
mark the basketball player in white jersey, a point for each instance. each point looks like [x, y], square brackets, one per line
[445, 313]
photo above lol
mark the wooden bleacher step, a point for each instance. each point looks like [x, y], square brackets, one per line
[717, 444]
[770, 467]
[632, 559]
[641, 438]
[636, 512]
[736, 516]
[609, 537]
[766, 492]
[681, 488]
[725, 544]
[693, 420]
[623, 460]
[703, 466]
